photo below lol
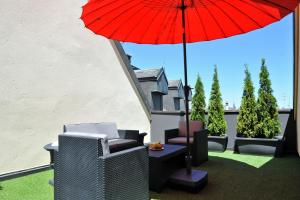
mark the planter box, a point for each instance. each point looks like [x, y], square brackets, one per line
[259, 146]
[217, 143]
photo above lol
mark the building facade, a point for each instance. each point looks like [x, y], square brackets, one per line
[172, 101]
[154, 85]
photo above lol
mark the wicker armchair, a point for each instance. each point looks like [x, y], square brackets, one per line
[83, 170]
[126, 138]
[198, 140]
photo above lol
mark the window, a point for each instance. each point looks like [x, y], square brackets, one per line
[157, 100]
[177, 103]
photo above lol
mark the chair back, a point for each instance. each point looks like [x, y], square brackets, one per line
[194, 127]
[77, 167]
[107, 128]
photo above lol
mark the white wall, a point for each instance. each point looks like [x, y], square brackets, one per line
[54, 71]
[163, 121]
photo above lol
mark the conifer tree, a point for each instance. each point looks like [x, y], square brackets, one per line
[216, 124]
[198, 102]
[268, 124]
[247, 118]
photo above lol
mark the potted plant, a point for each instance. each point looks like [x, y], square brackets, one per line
[258, 124]
[216, 124]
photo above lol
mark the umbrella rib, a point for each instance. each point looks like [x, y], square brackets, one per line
[130, 17]
[142, 36]
[172, 35]
[111, 20]
[225, 13]
[201, 21]
[261, 9]
[278, 5]
[157, 4]
[133, 29]
[96, 19]
[188, 32]
[100, 7]
[161, 28]
[213, 17]
[251, 19]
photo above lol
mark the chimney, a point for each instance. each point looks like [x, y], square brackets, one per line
[129, 58]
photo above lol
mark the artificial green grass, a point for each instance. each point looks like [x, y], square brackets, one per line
[31, 187]
[253, 160]
[244, 177]
[231, 176]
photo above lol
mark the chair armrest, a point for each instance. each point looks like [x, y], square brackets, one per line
[171, 133]
[126, 170]
[132, 134]
[201, 137]
[200, 147]
[129, 134]
[141, 138]
[51, 148]
[123, 153]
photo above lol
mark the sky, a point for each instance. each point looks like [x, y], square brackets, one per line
[274, 43]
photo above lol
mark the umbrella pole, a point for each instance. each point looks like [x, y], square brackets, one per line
[186, 91]
[191, 180]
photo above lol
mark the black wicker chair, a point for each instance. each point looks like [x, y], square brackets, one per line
[127, 138]
[83, 170]
[198, 141]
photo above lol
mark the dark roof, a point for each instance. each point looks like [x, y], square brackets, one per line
[175, 84]
[154, 73]
[132, 77]
[134, 67]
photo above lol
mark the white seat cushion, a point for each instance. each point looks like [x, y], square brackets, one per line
[104, 139]
[107, 128]
[54, 144]
[83, 134]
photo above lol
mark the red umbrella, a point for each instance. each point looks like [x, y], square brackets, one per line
[181, 21]
[160, 21]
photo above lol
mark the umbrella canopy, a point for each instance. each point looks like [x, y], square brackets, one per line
[160, 21]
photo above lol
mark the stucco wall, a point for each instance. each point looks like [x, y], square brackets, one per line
[54, 71]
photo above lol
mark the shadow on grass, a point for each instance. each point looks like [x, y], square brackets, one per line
[278, 178]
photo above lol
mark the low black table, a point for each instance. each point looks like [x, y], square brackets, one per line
[163, 163]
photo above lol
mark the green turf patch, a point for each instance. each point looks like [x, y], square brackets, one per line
[231, 176]
[252, 160]
[31, 187]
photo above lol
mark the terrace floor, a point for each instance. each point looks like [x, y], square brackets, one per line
[231, 176]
